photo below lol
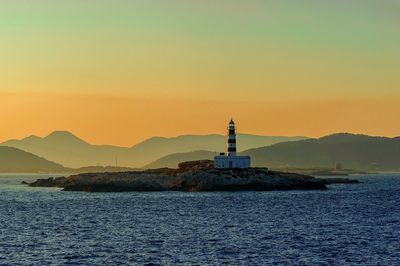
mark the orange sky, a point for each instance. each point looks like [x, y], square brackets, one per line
[124, 121]
[120, 71]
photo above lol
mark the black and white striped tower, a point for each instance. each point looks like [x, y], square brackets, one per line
[231, 139]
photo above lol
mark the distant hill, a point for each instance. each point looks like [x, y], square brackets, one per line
[13, 160]
[69, 150]
[358, 152]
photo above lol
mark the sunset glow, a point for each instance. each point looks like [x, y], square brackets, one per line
[118, 72]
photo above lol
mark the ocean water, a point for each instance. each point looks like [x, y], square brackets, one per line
[352, 224]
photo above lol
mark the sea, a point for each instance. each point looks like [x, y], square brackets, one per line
[349, 224]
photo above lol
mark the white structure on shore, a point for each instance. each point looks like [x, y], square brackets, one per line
[230, 160]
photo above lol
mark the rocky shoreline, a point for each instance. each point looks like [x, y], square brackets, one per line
[190, 176]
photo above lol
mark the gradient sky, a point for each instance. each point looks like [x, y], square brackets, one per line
[121, 71]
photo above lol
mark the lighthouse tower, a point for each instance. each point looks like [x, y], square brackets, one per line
[231, 139]
[231, 160]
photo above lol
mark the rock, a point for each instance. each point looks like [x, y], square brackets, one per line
[246, 179]
[195, 165]
[206, 179]
[190, 176]
[49, 182]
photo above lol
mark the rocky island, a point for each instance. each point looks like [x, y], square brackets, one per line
[190, 176]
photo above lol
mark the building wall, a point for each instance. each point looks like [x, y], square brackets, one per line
[232, 161]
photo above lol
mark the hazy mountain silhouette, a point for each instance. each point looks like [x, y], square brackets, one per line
[14, 160]
[69, 150]
[359, 152]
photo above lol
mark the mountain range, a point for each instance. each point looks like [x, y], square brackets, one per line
[359, 152]
[65, 148]
[59, 149]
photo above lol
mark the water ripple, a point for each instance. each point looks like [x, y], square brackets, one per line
[347, 225]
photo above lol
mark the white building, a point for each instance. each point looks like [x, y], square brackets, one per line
[231, 160]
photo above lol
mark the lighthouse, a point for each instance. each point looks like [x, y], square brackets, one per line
[231, 160]
[231, 139]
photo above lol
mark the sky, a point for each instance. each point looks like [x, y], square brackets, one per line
[118, 72]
